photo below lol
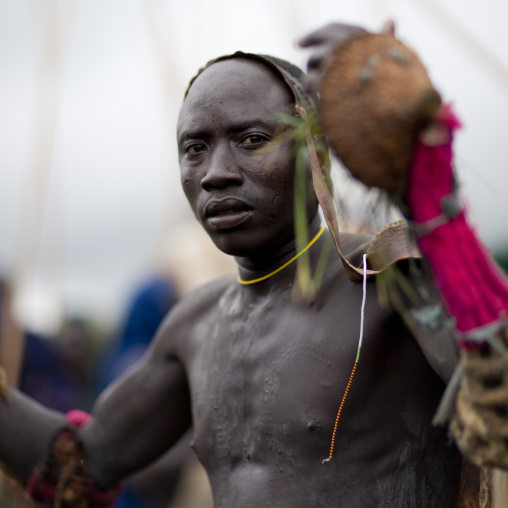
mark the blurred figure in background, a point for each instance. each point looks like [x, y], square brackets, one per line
[79, 346]
[57, 368]
[51, 368]
[45, 376]
[149, 305]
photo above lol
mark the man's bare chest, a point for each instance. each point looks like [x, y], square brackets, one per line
[268, 376]
[267, 380]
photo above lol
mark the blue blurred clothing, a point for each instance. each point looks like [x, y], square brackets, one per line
[45, 376]
[147, 309]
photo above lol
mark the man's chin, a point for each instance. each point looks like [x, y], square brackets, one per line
[246, 240]
[230, 248]
[232, 243]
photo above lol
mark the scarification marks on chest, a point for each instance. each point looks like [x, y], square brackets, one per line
[271, 386]
[326, 352]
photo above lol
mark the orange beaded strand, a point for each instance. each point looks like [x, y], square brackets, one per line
[340, 409]
[346, 391]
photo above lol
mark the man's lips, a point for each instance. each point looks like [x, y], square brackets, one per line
[226, 213]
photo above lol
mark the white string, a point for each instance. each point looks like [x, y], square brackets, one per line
[364, 297]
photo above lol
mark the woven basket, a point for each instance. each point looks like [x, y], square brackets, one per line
[480, 421]
[375, 97]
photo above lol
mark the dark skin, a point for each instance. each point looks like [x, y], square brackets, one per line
[260, 375]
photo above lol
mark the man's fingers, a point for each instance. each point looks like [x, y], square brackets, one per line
[315, 38]
[318, 57]
[334, 33]
[388, 27]
[324, 41]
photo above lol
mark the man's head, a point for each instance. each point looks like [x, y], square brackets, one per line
[236, 173]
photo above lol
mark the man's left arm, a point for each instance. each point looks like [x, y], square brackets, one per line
[419, 303]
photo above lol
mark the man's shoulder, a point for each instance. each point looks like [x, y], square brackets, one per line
[198, 302]
[207, 295]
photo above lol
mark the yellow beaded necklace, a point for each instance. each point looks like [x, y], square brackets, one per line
[294, 258]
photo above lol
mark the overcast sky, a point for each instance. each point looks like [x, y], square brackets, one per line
[89, 96]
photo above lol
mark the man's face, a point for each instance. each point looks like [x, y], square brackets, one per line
[238, 180]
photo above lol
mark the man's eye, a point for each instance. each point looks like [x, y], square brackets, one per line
[194, 148]
[254, 139]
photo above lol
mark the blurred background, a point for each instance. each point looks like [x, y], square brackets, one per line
[97, 241]
[90, 199]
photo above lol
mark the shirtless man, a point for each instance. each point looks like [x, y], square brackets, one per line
[260, 375]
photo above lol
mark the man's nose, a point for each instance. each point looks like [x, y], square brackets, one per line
[223, 169]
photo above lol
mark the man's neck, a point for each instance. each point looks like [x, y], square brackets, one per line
[261, 268]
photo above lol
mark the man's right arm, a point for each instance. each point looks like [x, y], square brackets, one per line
[133, 422]
[27, 428]
[138, 418]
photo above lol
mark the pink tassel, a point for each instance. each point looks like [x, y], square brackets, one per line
[473, 288]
